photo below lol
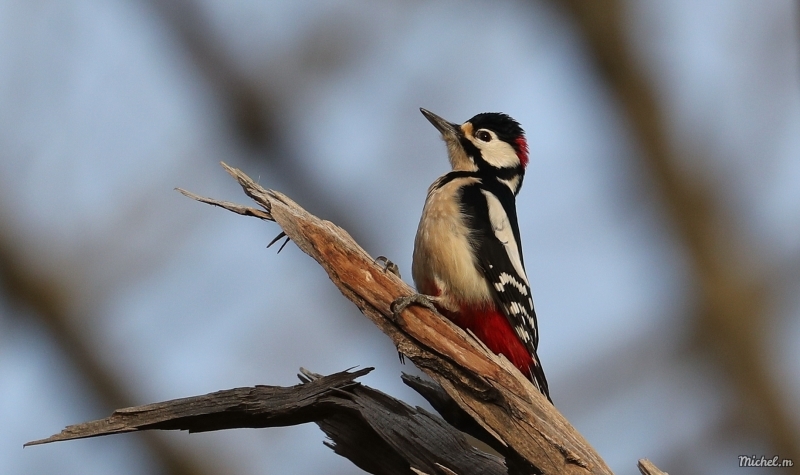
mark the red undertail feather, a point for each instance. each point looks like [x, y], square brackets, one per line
[494, 330]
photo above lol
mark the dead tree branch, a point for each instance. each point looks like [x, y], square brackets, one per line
[375, 431]
[647, 467]
[474, 383]
[485, 386]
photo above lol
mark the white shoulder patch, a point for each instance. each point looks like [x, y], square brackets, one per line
[502, 230]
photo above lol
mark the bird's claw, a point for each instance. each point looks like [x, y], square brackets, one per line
[388, 266]
[402, 303]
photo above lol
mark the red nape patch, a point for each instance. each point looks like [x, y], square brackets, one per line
[494, 330]
[522, 150]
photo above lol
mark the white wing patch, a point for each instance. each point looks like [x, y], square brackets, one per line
[505, 279]
[512, 291]
[502, 230]
[516, 308]
[526, 337]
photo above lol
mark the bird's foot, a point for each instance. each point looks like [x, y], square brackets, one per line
[402, 303]
[388, 266]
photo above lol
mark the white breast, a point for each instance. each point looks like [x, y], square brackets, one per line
[443, 258]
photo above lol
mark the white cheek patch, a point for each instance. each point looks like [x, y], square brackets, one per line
[502, 230]
[497, 153]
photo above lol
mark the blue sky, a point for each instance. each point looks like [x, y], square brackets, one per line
[103, 112]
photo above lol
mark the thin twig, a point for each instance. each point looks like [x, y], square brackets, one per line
[236, 208]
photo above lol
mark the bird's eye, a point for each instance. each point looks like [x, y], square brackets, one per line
[483, 136]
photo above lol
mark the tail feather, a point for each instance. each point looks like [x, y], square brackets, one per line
[492, 327]
[536, 375]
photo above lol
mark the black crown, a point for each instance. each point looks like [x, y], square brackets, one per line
[506, 128]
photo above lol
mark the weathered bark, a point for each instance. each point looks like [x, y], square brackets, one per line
[377, 432]
[485, 386]
[505, 408]
[647, 467]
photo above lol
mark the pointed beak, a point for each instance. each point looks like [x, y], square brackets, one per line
[447, 129]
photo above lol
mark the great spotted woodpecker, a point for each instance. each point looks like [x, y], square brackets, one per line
[467, 252]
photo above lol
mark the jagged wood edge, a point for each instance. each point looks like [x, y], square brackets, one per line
[451, 412]
[375, 431]
[647, 467]
[487, 387]
[227, 409]
[484, 385]
[413, 439]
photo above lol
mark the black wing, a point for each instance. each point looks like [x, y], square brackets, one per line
[492, 216]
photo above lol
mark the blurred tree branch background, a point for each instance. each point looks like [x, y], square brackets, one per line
[321, 99]
[732, 314]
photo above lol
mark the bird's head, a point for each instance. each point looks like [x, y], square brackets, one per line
[491, 143]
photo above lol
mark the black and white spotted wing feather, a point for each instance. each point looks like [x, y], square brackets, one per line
[493, 220]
